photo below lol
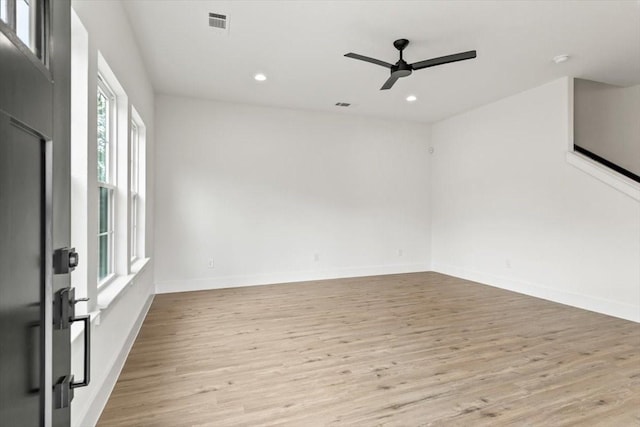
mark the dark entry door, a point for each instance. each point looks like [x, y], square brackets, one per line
[34, 207]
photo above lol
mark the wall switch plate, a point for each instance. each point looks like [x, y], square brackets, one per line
[210, 263]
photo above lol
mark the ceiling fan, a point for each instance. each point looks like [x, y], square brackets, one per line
[402, 69]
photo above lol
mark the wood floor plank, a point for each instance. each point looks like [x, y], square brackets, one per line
[416, 349]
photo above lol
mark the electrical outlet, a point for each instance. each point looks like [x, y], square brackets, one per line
[316, 257]
[210, 263]
[507, 263]
[400, 252]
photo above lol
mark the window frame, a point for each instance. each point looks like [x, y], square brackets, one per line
[109, 184]
[134, 199]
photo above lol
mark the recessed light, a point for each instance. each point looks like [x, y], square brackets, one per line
[560, 58]
[412, 98]
[260, 77]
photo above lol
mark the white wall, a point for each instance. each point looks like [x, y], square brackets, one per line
[607, 122]
[507, 210]
[108, 31]
[261, 191]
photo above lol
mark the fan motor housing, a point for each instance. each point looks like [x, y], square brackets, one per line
[401, 69]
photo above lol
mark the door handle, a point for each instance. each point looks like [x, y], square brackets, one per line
[64, 315]
[86, 319]
[64, 308]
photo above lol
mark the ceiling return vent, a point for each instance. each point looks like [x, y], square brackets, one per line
[218, 21]
[342, 104]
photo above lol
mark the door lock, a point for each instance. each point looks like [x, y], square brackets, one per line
[65, 260]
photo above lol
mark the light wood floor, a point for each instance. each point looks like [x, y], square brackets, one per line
[404, 350]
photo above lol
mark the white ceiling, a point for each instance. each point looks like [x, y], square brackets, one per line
[300, 45]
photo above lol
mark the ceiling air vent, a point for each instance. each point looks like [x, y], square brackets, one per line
[342, 104]
[218, 21]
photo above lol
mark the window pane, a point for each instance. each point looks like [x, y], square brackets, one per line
[134, 158]
[104, 264]
[3, 10]
[23, 21]
[134, 220]
[103, 135]
[104, 210]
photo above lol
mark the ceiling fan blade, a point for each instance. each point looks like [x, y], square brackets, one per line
[367, 59]
[390, 82]
[444, 60]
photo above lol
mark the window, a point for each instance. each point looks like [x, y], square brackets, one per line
[27, 19]
[107, 178]
[106, 181]
[134, 168]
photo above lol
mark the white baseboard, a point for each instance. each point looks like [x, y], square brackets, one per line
[586, 302]
[169, 286]
[102, 393]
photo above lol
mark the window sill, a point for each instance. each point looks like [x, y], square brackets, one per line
[106, 281]
[138, 264]
[604, 174]
[109, 293]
